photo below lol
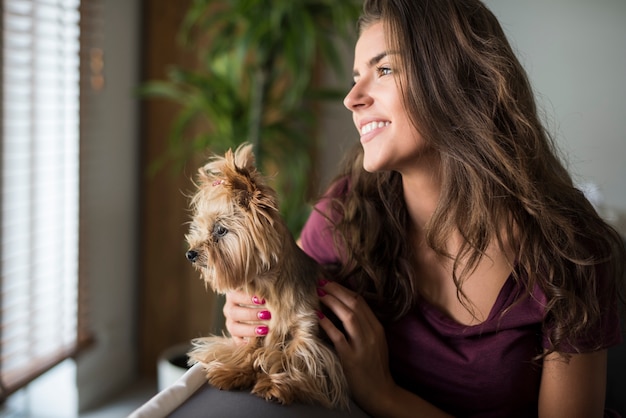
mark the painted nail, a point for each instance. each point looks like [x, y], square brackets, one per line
[261, 330]
[321, 293]
[320, 315]
[264, 315]
[258, 301]
[322, 282]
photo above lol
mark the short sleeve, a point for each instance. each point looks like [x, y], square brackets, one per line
[316, 237]
[606, 333]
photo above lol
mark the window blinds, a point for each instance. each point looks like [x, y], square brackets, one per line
[39, 187]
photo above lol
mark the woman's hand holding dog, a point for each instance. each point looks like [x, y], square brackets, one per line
[364, 357]
[363, 347]
[246, 316]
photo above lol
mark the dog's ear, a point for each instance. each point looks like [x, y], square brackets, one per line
[220, 168]
[237, 171]
[248, 188]
[244, 157]
[213, 170]
[249, 191]
[243, 188]
[242, 177]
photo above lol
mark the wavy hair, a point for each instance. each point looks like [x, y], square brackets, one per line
[502, 178]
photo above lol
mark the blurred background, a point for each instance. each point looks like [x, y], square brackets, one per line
[95, 286]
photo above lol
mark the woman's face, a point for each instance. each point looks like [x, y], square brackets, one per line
[389, 140]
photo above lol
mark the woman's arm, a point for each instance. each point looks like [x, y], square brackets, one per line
[363, 353]
[573, 389]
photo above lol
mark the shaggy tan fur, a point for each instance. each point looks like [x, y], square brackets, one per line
[238, 241]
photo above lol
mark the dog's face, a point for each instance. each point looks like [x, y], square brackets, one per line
[232, 237]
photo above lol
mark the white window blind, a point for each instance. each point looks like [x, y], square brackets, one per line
[39, 188]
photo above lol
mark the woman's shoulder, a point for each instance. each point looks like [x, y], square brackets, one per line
[316, 237]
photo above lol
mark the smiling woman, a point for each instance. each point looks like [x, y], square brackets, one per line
[387, 133]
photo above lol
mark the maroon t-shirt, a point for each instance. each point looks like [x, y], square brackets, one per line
[486, 370]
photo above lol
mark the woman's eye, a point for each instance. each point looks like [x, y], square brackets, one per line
[384, 71]
[219, 231]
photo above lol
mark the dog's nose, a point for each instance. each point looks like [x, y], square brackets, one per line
[192, 255]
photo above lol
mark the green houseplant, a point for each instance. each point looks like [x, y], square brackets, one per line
[257, 80]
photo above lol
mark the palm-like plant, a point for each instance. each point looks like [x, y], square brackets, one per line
[256, 81]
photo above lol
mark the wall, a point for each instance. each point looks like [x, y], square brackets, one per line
[575, 54]
[174, 305]
[109, 188]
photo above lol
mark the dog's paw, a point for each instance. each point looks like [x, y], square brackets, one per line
[273, 391]
[231, 379]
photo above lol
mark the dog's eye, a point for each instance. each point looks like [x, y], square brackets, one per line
[219, 231]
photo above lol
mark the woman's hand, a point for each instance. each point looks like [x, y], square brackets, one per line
[364, 356]
[246, 316]
[363, 347]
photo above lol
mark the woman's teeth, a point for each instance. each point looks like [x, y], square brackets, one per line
[373, 125]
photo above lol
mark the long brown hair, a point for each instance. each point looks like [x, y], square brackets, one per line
[502, 178]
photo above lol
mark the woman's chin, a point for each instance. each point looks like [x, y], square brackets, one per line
[371, 166]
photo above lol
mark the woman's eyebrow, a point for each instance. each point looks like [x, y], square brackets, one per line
[377, 59]
[372, 62]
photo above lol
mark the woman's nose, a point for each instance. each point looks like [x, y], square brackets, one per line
[357, 97]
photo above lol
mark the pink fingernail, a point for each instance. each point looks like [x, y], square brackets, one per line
[322, 282]
[264, 315]
[320, 315]
[261, 330]
[257, 301]
[321, 293]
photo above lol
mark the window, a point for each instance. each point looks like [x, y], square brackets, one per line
[39, 189]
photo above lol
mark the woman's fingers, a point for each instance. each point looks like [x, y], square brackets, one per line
[351, 309]
[244, 310]
[246, 316]
[363, 347]
[242, 298]
[241, 332]
[337, 337]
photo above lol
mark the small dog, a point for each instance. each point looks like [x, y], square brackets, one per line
[238, 241]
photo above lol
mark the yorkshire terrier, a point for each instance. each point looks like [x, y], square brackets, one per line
[239, 241]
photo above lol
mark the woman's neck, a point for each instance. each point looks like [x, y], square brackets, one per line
[421, 189]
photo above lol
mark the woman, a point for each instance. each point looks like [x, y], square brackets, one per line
[473, 278]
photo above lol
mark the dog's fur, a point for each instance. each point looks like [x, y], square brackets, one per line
[238, 241]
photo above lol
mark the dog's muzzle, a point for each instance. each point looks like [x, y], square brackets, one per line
[192, 255]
